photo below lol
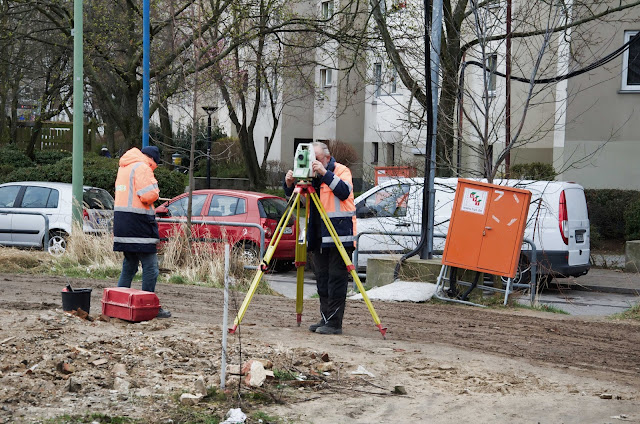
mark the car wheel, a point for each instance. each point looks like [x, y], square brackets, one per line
[57, 243]
[523, 273]
[248, 252]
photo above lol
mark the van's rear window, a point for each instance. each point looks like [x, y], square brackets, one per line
[94, 198]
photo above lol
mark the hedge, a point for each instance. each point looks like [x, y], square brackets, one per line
[610, 213]
[98, 172]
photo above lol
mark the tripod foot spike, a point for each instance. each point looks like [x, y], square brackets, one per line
[383, 331]
[233, 329]
[299, 319]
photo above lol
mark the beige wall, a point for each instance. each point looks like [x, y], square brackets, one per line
[602, 142]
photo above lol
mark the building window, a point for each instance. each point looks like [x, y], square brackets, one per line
[490, 73]
[631, 64]
[376, 152]
[394, 81]
[377, 75]
[391, 154]
[325, 77]
[327, 9]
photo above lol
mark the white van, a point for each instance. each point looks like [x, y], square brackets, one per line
[558, 223]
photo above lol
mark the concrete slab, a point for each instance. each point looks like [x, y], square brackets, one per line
[380, 270]
[632, 256]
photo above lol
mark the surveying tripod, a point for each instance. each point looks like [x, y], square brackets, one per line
[302, 188]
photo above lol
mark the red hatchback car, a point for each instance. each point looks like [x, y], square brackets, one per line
[233, 206]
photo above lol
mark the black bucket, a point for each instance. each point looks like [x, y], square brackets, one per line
[78, 298]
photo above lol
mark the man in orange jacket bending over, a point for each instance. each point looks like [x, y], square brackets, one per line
[135, 231]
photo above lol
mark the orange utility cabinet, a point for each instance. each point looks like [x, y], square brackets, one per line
[486, 228]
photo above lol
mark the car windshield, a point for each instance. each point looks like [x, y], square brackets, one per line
[96, 198]
[272, 208]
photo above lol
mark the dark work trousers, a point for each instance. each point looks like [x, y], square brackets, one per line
[332, 278]
[332, 281]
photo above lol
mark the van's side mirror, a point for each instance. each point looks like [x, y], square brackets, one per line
[162, 211]
[364, 211]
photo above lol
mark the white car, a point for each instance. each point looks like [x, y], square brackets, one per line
[558, 223]
[53, 200]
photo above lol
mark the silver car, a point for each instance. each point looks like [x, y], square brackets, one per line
[53, 200]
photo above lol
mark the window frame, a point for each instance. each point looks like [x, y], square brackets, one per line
[28, 190]
[15, 199]
[326, 9]
[326, 79]
[624, 85]
[394, 81]
[376, 152]
[377, 79]
[490, 77]
[185, 199]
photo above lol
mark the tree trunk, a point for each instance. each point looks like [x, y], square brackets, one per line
[445, 147]
[34, 138]
[255, 174]
[165, 128]
[131, 123]
[13, 129]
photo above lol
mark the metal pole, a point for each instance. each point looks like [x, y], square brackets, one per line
[78, 112]
[507, 122]
[432, 42]
[225, 312]
[145, 72]
[209, 151]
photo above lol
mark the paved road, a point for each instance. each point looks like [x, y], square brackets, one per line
[575, 302]
[578, 302]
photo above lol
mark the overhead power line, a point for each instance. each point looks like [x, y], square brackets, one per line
[598, 63]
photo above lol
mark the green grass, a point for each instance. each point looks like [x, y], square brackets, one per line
[496, 301]
[100, 418]
[283, 374]
[542, 308]
[632, 313]
[192, 415]
[265, 418]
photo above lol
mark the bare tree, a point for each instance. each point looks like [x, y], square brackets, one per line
[473, 31]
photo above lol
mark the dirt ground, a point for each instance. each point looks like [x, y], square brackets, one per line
[456, 363]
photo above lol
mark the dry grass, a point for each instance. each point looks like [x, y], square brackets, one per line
[92, 256]
[23, 260]
[203, 264]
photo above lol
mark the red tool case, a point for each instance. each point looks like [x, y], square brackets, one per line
[129, 304]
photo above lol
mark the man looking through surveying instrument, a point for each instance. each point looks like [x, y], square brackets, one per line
[333, 182]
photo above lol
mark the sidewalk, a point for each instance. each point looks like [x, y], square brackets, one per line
[605, 281]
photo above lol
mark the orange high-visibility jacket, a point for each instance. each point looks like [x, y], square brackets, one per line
[335, 190]
[134, 220]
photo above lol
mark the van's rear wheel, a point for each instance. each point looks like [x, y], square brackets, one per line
[57, 243]
[523, 275]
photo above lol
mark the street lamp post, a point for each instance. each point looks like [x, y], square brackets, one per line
[209, 110]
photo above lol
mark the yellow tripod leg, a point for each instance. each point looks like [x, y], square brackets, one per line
[350, 267]
[262, 268]
[301, 260]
